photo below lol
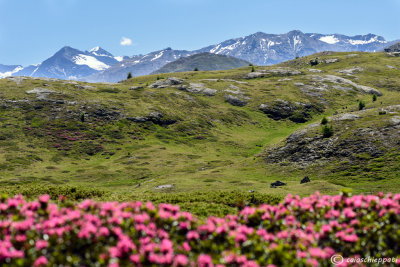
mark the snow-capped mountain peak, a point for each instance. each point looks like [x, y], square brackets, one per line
[71, 63]
[94, 49]
[266, 49]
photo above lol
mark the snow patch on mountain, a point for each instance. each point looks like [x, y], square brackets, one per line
[329, 39]
[157, 56]
[94, 49]
[363, 42]
[10, 73]
[119, 59]
[90, 61]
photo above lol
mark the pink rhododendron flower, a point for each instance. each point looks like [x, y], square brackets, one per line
[205, 260]
[41, 261]
[41, 244]
[180, 260]
[44, 198]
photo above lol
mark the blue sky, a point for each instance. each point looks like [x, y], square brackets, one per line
[33, 30]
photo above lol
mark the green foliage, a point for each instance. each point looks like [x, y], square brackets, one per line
[314, 62]
[374, 97]
[253, 69]
[299, 117]
[324, 121]
[361, 105]
[72, 193]
[109, 90]
[82, 117]
[129, 76]
[196, 69]
[327, 131]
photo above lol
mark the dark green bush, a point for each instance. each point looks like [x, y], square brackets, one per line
[361, 105]
[327, 131]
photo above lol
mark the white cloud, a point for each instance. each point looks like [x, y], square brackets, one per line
[126, 41]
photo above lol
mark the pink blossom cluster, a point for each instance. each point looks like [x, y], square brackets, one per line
[297, 232]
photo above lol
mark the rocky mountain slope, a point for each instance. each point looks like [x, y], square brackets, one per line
[393, 48]
[204, 131]
[72, 64]
[203, 62]
[266, 49]
[138, 65]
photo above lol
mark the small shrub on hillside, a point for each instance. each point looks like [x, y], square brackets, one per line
[314, 62]
[361, 105]
[196, 69]
[298, 117]
[324, 121]
[374, 97]
[129, 76]
[327, 131]
[253, 69]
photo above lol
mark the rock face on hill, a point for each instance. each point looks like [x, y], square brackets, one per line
[170, 81]
[307, 146]
[297, 112]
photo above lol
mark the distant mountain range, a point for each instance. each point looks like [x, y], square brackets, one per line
[98, 65]
[266, 49]
[203, 62]
[138, 65]
[68, 63]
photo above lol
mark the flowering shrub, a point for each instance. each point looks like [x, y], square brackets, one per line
[297, 232]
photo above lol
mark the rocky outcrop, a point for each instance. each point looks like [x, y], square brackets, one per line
[304, 147]
[170, 81]
[136, 88]
[340, 80]
[277, 183]
[351, 71]
[277, 71]
[315, 70]
[106, 114]
[331, 60]
[41, 93]
[296, 112]
[154, 117]
[236, 100]
[198, 88]
[87, 87]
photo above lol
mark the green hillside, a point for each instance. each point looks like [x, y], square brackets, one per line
[204, 62]
[201, 132]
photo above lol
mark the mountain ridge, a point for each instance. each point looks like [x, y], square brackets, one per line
[71, 64]
[203, 62]
[98, 65]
